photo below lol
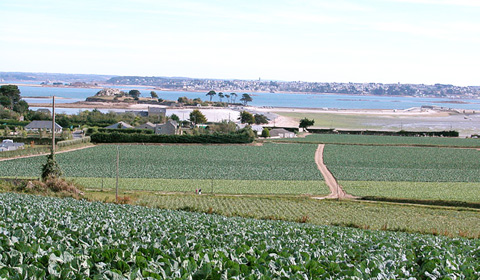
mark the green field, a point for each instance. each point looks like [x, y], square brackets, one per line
[55, 238]
[271, 168]
[209, 185]
[384, 140]
[450, 191]
[325, 212]
[409, 164]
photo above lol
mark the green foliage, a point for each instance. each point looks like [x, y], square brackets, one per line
[265, 132]
[5, 101]
[211, 94]
[196, 116]
[216, 186]
[246, 117]
[446, 191]
[260, 119]
[224, 127]
[304, 123]
[175, 118]
[153, 94]
[117, 137]
[51, 169]
[20, 107]
[93, 130]
[416, 164]
[384, 140]
[246, 98]
[76, 239]
[375, 216]
[226, 162]
[135, 93]
[9, 93]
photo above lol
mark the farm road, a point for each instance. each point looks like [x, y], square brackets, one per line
[336, 191]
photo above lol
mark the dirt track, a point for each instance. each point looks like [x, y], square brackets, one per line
[336, 191]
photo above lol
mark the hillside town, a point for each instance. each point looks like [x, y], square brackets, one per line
[188, 84]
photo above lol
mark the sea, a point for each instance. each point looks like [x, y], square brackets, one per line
[37, 94]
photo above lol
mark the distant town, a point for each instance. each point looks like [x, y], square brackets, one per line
[219, 85]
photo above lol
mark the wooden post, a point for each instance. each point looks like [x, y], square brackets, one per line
[53, 125]
[116, 184]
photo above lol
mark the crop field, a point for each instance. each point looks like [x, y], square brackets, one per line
[208, 186]
[233, 168]
[449, 191]
[325, 212]
[413, 164]
[55, 238]
[384, 140]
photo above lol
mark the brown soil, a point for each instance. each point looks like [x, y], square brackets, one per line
[336, 190]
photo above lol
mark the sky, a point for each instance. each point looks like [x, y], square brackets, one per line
[384, 41]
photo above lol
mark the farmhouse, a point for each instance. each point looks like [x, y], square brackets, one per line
[9, 145]
[120, 125]
[147, 125]
[281, 133]
[42, 125]
[168, 128]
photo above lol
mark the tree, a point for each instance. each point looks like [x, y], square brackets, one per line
[220, 96]
[5, 102]
[234, 96]
[227, 96]
[183, 99]
[11, 92]
[246, 98]
[153, 94]
[175, 118]
[246, 117]
[135, 93]
[260, 119]
[197, 117]
[304, 123]
[51, 169]
[211, 94]
[265, 132]
[21, 107]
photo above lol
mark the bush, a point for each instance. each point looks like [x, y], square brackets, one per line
[219, 138]
[265, 132]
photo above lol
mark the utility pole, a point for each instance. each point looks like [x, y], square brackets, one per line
[116, 182]
[53, 125]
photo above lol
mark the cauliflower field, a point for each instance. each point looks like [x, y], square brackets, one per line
[43, 237]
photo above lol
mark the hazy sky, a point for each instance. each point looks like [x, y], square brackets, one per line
[407, 41]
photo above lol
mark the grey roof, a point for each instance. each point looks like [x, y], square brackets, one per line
[42, 125]
[173, 122]
[147, 125]
[119, 125]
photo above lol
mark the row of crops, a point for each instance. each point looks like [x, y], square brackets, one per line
[267, 162]
[43, 237]
[449, 222]
[384, 140]
[414, 164]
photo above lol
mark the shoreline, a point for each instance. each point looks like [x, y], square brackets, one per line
[415, 111]
[146, 87]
